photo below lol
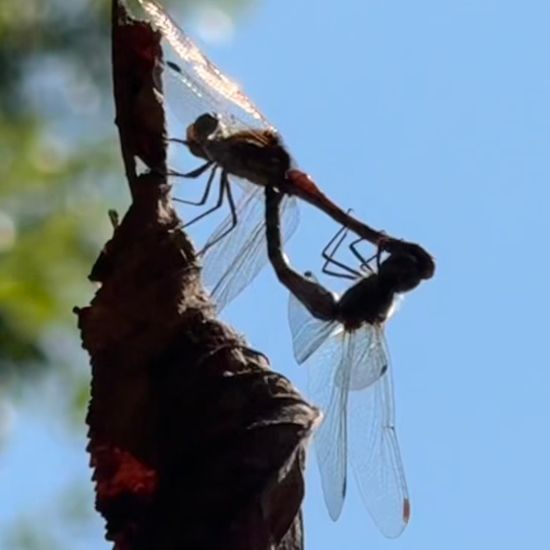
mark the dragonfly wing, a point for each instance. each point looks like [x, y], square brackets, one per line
[308, 333]
[198, 78]
[328, 375]
[233, 261]
[369, 359]
[373, 446]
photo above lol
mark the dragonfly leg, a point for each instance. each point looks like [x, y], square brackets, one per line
[218, 204]
[194, 173]
[206, 193]
[340, 234]
[328, 256]
[365, 264]
[177, 140]
[225, 187]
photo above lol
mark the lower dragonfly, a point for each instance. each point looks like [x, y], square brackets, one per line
[341, 340]
[235, 140]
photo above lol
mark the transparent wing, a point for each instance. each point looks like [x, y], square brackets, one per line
[373, 446]
[308, 333]
[341, 367]
[370, 359]
[231, 264]
[202, 86]
[327, 366]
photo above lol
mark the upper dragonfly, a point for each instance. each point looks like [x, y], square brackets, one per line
[341, 341]
[231, 135]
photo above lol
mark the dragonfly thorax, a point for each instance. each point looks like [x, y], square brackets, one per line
[365, 302]
[258, 156]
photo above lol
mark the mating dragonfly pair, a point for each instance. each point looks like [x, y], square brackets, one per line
[341, 340]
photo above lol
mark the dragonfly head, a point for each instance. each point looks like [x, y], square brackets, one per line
[406, 267]
[410, 253]
[200, 131]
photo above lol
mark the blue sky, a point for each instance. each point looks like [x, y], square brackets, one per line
[432, 120]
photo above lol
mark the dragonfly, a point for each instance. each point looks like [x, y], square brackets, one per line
[242, 152]
[340, 339]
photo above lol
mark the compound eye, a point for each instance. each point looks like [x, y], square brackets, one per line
[205, 126]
